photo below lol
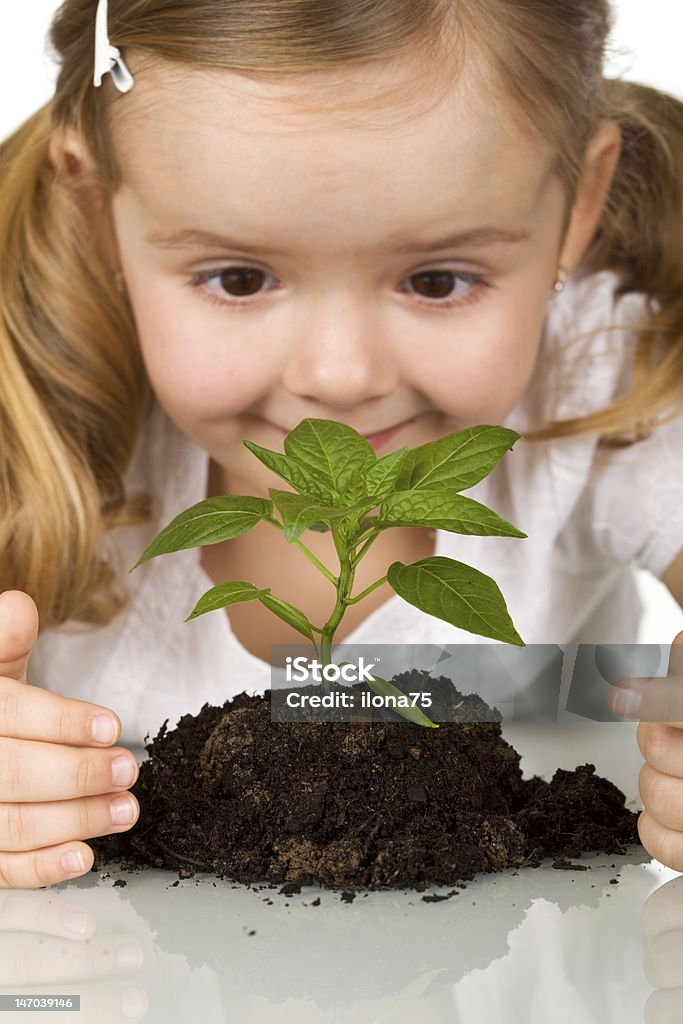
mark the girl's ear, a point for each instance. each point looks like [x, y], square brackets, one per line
[73, 164]
[600, 164]
[66, 153]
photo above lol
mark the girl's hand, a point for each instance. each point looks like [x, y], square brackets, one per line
[57, 786]
[660, 738]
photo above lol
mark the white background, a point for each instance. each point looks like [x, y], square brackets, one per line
[645, 47]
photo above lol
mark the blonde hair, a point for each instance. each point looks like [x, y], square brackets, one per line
[74, 394]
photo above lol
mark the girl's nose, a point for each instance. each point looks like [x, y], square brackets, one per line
[340, 356]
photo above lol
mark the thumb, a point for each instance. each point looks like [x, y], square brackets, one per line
[18, 633]
[676, 656]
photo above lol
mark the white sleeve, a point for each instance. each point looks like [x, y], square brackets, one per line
[635, 499]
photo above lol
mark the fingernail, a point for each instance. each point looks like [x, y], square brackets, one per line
[103, 728]
[123, 810]
[627, 702]
[77, 922]
[73, 863]
[129, 956]
[134, 1003]
[122, 771]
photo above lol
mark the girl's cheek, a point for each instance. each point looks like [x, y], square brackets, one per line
[198, 370]
[482, 377]
[203, 381]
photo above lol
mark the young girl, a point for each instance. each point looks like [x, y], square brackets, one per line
[410, 218]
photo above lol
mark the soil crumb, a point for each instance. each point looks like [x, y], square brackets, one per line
[385, 804]
[562, 864]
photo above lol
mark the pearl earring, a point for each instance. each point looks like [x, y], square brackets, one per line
[560, 280]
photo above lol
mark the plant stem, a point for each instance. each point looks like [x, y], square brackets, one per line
[369, 539]
[309, 554]
[344, 588]
[348, 560]
[368, 590]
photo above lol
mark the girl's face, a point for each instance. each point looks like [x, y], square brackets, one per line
[388, 262]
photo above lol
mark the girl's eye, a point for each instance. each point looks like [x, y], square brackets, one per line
[441, 288]
[239, 282]
[454, 286]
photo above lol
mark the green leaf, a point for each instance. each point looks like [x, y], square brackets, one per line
[236, 592]
[299, 512]
[337, 455]
[366, 524]
[208, 522]
[457, 461]
[355, 491]
[381, 477]
[383, 688]
[443, 510]
[288, 613]
[292, 471]
[456, 593]
[355, 520]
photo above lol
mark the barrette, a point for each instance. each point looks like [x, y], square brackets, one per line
[108, 58]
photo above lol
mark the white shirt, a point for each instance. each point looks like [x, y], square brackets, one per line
[570, 581]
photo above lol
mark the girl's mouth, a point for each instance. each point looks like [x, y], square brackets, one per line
[378, 440]
[383, 437]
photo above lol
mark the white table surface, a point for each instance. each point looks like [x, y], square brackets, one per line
[534, 946]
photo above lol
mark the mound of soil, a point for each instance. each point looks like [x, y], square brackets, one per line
[386, 804]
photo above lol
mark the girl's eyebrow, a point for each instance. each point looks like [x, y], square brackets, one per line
[188, 238]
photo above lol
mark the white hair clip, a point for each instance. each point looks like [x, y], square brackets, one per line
[108, 58]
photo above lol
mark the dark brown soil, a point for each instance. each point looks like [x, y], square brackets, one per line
[387, 804]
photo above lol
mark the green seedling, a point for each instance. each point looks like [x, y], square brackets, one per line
[339, 485]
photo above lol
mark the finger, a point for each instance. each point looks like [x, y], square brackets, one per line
[654, 699]
[661, 747]
[662, 843]
[18, 633]
[663, 962]
[46, 914]
[676, 656]
[30, 959]
[40, 772]
[662, 795]
[31, 713]
[27, 827]
[664, 1006]
[37, 868]
[663, 909]
[659, 699]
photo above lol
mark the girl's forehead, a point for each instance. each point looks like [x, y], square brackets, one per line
[356, 134]
[383, 91]
[386, 99]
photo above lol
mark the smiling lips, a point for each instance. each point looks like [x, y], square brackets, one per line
[380, 439]
[377, 440]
